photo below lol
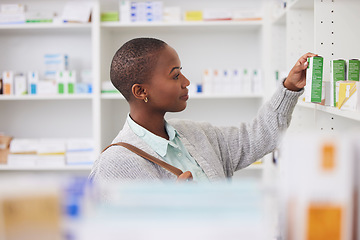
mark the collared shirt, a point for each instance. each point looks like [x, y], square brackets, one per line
[171, 151]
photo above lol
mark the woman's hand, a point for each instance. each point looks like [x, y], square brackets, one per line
[296, 79]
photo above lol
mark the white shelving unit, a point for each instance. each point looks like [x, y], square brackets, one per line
[92, 46]
[317, 26]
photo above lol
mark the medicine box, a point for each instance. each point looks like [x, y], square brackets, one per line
[193, 16]
[353, 69]
[314, 79]
[20, 84]
[211, 14]
[8, 81]
[348, 95]
[337, 73]
[33, 79]
[54, 63]
[124, 11]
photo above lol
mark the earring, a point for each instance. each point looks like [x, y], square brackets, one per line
[146, 99]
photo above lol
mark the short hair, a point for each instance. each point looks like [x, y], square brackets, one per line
[134, 62]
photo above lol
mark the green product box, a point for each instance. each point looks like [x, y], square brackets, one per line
[314, 79]
[109, 17]
[61, 88]
[353, 69]
[337, 73]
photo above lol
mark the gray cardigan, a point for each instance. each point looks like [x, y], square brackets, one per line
[218, 150]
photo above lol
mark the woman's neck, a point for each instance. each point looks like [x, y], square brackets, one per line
[154, 123]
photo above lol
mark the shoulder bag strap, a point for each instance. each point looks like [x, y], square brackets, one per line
[147, 156]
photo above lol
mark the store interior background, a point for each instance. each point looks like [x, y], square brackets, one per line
[271, 45]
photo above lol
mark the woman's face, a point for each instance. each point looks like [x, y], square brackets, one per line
[166, 89]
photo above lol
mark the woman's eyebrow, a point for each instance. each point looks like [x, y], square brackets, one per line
[174, 69]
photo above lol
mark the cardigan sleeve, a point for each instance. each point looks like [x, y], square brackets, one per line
[227, 149]
[251, 141]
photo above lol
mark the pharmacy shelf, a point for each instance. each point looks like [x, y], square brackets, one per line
[46, 168]
[45, 26]
[280, 18]
[197, 96]
[256, 24]
[353, 115]
[47, 97]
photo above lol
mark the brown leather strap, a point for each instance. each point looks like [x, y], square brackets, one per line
[143, 154]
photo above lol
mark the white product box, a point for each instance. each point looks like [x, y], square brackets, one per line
[77, 11]
[246, 82]
[172, 14]
[20, 84]
[217, 82]
[211, 14]
[47, 87]
[154, 11]
[54, 63]
[51, 147]
[207, 81]
[23, 152]
[33, 79]
[226, 82]
[51, 152]
[8, 81]
[256, 81]
[80, 151]
[12, 8]
[247, 15]
[124, 11]
[22, 160]
[236, 81]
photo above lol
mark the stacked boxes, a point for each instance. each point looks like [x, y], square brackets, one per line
[50, 152]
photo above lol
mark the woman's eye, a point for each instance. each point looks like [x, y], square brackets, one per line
[176, 77]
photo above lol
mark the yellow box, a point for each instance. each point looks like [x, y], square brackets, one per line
[193, 16]
[348, 95]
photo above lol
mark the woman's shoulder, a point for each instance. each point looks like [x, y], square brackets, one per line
[192, 127]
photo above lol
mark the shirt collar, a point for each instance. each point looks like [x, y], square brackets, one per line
[157, 143]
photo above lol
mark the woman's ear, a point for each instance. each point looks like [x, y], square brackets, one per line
[139, 91]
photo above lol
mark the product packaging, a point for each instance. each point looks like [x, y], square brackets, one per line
[246, 82]
[348, 95]
[172, 14]
[207, 81]
[33, 79]
[55, 63]
[4, 148]
[193, 16]
[256, 82]
[210, 14]
[51, 152]
[23, 152]
[337, 73]
[20, 84]
[8, 81]
[124, 11]
[314, 79]
[353, 69]
[80, 151]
